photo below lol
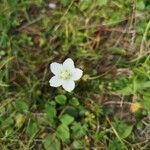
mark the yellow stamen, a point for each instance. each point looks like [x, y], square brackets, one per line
[135, 107]
[65, 74]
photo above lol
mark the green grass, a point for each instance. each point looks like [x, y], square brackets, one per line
[110, 106]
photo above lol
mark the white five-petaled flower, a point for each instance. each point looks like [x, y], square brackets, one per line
[65, 74]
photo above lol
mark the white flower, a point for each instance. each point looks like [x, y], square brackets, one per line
[52, 5]
[65, 74]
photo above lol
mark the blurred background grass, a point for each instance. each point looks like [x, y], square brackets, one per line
[109, 41]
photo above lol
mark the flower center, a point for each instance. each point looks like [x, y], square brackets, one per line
[65, 74]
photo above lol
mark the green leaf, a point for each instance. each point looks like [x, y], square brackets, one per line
[63, 133]
[12, 3]
[50, 112]
[85, 4]
[66, 119]
[141, 85]
[101, 136]
[61, 99]
[21, 106]
[74, 101]
[128, 90]
[123, 129]
[127, 131]
[115, 144]
[118, 51]
[65, 2]
[32, 128]
[51, 143]
[140, 5]
[78, 130]
[71, 111]
[102, 2]
[7, 122]
[146, 102]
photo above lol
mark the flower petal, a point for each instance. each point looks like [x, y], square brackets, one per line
[55, 68]
[55, 82]
[68, 85]
[77, 74]
[68, 63]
